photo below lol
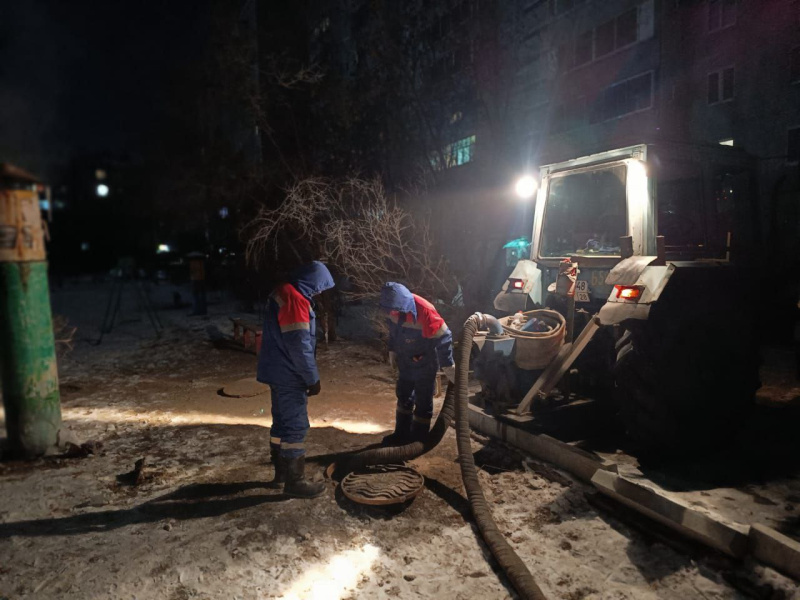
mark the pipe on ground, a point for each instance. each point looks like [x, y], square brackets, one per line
[457, 401]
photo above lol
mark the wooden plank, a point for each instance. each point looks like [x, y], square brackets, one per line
[580, 463]
[683, 519]
[775, 549]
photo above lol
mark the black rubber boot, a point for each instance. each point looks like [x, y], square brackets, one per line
[402, 431]
[419, 431]
[296, 483]
[280, 468]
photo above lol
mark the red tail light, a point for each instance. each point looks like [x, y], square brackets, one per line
[516, 284]
[629, 292]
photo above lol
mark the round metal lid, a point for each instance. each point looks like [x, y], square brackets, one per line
[383, 484]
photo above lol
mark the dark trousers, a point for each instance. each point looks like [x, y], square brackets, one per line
[289, 420]
[415, 395]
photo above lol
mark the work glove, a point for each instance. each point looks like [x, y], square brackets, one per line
[314, 389]
[392, 359]
[450, 373]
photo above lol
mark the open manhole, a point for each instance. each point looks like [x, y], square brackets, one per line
[383, 484]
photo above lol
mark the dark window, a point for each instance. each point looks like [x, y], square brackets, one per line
[562, 58]
[583, 49]
[728, 12]
[727, 84]
[730, 189]
[622, 98]
[570, 113]
[794, 65]
[604, 39]
[713, 88]
[679, 193]
[540, 8]
[793, 147]
[720, 86]
[626, 28]
[721, 13]
[714, 14]
[563, 6]
[585, 213]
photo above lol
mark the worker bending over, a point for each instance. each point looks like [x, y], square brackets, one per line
[420, 343]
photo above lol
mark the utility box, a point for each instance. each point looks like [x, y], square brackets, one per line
[21, 230]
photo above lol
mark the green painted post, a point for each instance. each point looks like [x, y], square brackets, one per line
[30, 376]
[27, 346]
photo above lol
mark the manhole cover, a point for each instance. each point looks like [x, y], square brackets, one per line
[383, 484]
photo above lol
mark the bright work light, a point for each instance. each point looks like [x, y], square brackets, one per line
[525, 187]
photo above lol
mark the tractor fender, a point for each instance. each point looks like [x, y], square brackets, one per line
[512, 300]
[651, 280]
[628, 270]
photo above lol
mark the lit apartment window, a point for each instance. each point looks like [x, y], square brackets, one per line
[794, 65]
[455, 154]
[720, 86]
[721, 14]
[625, 97]
[793, 146]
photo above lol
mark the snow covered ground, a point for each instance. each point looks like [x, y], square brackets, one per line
[201, 524]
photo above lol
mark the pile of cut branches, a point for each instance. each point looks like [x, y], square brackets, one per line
[354, 226]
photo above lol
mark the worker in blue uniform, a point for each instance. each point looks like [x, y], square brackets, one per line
[421, 344]
[288, 364]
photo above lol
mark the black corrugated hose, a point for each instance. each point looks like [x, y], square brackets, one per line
[398, 454]
[458, 395]
[512, 565]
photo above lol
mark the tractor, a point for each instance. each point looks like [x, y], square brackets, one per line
[647, 252]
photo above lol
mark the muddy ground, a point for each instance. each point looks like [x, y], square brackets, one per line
[201, 524]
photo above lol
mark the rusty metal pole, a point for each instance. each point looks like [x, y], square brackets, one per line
[27, 346]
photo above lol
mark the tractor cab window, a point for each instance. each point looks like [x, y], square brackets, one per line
[679, 194]
[730, 188]
[585, 213]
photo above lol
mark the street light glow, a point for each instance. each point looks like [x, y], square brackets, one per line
[525, 187]
[102, 190]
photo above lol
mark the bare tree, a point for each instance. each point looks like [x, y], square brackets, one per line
[357, 228]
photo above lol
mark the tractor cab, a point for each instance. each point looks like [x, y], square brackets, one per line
[698, 198]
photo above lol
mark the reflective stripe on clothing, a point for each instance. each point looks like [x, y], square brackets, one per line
[294, 308]
[288, 341]
[295, 327]
[297, 446]
[425, 420]
[441, 331]
[290, 419]
[275, 440]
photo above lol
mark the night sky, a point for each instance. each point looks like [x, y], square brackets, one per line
[86, 77]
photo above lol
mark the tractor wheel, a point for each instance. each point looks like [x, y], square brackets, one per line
[684, 389]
